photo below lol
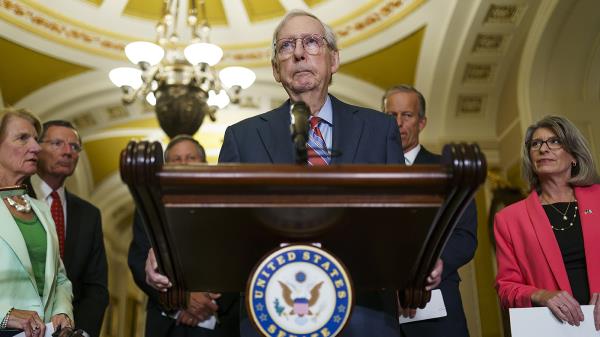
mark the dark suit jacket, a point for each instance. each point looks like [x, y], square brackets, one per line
[85, 262]
[158, 325]
[360, 136]
[459, 250]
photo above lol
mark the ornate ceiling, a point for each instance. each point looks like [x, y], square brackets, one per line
[462, 54]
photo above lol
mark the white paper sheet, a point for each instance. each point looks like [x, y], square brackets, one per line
[434, 309]
[539, 321]
[49, 331]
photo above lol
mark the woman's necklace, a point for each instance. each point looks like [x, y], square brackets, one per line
[9, 194]
[25, 207]
[564, 215]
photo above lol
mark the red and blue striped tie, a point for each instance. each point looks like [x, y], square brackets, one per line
[316, 148]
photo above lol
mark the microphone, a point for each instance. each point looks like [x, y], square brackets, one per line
[299, 127]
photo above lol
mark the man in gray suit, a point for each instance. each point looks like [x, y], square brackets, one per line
[78, 222]
[407, 105]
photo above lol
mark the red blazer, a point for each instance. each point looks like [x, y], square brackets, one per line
[527, 252]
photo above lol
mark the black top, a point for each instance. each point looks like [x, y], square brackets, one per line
[570, 241]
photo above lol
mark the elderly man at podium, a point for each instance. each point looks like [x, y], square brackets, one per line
[304, 58]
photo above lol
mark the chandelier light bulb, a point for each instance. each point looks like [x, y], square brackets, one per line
[240, 76]
[126, 76]
[203, 52]
[219, 100]
[142, 51]
[151, 99]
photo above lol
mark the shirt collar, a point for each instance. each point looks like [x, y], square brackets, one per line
[43, 190]
[326, 112]
[410, 156]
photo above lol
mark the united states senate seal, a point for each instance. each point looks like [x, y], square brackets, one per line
[299, 291]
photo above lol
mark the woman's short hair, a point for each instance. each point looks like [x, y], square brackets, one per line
[7, 113]
[583, 173]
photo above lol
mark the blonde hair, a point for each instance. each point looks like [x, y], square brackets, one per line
[7, 113]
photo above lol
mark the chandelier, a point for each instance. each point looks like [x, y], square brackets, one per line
[179, 79]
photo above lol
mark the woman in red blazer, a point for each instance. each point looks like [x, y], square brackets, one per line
[547, 246]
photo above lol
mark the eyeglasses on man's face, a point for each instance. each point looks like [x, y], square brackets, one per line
[57, 144]
[553, 143]
[311, 43]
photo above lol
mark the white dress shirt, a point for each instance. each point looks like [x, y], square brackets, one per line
[43, 191]
[410, 156]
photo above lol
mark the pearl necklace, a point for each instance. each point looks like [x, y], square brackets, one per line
[25, 207]
[564, 215]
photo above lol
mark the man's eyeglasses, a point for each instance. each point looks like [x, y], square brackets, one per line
[312, 44]
[553, 143]
[57, 144]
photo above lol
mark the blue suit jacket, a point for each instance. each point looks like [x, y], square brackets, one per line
[360, 136]
[458, 251]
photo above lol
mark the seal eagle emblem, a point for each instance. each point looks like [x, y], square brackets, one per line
[299, 290]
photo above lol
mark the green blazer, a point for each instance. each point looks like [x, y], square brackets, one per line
[16, 273]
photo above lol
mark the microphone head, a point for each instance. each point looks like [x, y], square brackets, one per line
[300, 114]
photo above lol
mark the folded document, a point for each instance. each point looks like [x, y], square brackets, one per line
[434, 309]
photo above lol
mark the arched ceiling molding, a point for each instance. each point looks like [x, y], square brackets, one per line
[46, 45]
[480, 70]
[592, 80]
[356, 91]
[83, 29]
[55, 100]
[114, 200]
[81, 181]
[574, 57]
[534, 60]
[92, 93]
[434, 78]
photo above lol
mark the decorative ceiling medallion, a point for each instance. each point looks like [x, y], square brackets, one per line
[501, 14]
[488, 43]
[478, 72]
[117, 112]
[470, 105]
[84, 121]
[355, 29]
[30, 19]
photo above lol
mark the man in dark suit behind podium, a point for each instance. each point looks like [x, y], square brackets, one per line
[407, 105]
[304, 58]
[82, 242]
[182, 150]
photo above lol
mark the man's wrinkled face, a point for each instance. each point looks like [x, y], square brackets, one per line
[59, 154]
[302, 71]
[404, 106]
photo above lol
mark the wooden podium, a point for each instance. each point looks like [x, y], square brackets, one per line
[387, 223]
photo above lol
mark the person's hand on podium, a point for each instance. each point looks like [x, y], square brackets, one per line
[435, 277]
[433, 280]
[562, 304]
[155, 279]
[201, 306]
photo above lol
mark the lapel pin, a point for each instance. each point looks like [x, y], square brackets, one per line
[588, 211]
